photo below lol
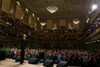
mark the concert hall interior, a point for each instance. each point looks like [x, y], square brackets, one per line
[50, 33]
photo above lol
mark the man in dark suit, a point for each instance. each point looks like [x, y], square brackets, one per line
[23, 47]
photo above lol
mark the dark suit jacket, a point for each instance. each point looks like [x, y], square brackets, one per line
[23, 46]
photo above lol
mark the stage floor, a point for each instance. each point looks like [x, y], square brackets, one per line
[12, 63]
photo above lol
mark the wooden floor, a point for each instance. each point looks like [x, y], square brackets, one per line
[12, 63]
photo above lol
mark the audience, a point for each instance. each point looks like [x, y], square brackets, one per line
[93, 26]
[74, 57]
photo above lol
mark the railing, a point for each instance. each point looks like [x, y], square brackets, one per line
[95, 32]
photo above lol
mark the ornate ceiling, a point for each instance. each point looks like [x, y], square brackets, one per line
[66, 8]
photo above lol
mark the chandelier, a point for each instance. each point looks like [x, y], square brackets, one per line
[76, 21]
[52, 9]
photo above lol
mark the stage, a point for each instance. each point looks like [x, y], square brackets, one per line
[12, 63]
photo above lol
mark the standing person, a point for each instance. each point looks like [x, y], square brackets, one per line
[23, 47]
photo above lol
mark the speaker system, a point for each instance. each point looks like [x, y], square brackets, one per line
[18, 59]
[48, 63]
[33, 61]
[62, 64]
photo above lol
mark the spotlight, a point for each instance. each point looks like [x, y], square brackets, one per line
[94, 7]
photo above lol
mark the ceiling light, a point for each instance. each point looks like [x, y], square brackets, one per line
[94, 41]
[88, 20]
[94, 7]
[42, 23]
[52, 9]
[38, 19]
[26, 10]
[86, 43]
[33, 15]
[18, 3]
[76, 21]
[98, 40]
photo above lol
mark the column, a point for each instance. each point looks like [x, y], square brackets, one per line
[0, 5]
[6, 6]
[49, 24]
[13, 8]
[18, 13]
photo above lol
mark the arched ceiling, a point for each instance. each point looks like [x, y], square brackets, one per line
[66, 8]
